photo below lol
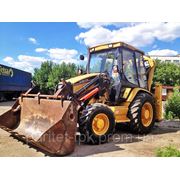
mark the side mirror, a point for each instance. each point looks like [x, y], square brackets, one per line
[81, 57]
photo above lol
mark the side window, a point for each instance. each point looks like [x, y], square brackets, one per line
[141, 70]
[129, 68]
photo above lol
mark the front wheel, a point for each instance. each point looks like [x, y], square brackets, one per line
[96, 124]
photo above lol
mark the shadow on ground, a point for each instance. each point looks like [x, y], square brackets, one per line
[121, 136]
[113, 145]
[165, 127]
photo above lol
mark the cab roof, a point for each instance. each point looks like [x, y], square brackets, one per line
[113, 45]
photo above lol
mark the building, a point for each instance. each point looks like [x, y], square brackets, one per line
[172, 59]
[167, 92]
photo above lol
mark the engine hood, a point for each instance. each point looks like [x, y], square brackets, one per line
[81, 78]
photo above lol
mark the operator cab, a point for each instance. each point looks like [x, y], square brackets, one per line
[127, 59]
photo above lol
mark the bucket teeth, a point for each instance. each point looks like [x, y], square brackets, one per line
[5, 128]
[47, 125]
[15, 133]
[8, 130]
[22, 136]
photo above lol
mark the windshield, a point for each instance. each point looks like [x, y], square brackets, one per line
[103, 61]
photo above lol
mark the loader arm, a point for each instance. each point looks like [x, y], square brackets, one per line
[49, 121]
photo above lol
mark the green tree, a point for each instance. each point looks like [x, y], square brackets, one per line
[167, 73]
[172, 109]
[41, 75]
[49, 74]
[60, 71]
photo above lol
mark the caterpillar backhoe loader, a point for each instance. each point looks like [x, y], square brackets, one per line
[116, 88]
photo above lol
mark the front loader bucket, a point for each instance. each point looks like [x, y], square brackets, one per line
[45, 123]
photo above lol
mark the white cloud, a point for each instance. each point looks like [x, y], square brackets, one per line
[75, 61]
[39, 50]
[88, 25]
[33, 59]
[138, 34]
[8, 59]
[163, 52]
[24, 62]
[25, 66]
[94, 36]
[32, 40]
[63, 55]
[57, 55]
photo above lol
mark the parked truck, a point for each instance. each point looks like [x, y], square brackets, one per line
[13, 82]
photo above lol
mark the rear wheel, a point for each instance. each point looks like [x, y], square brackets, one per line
[142, 114]
[96, 124]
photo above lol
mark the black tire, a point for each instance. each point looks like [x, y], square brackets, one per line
[136, 125]
[86, 120]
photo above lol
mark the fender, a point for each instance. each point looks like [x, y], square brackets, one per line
[134, 92]
[157, 98]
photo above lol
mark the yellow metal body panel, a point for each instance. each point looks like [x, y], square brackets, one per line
[151, 71]
[117, 44]
[77, 87]
[134, 93]
[158, 101]
[81, 77]
[78, 82]
[112, 45]
[126, 93]
[120, 113]
[102, 47]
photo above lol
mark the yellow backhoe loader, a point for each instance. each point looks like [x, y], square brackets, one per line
[116, 88]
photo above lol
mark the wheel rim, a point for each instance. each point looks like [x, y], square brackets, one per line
[100, 124]
[147, 114]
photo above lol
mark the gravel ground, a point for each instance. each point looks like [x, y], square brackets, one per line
[122, 143]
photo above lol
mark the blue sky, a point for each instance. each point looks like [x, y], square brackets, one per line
[26, 45]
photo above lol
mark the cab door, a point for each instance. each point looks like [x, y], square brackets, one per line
[129, 68]
[142, 76]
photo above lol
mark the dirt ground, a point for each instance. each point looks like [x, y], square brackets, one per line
[122, 143]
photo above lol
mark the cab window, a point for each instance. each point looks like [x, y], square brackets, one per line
[103, 61]
[141, 70]
[129, 67]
